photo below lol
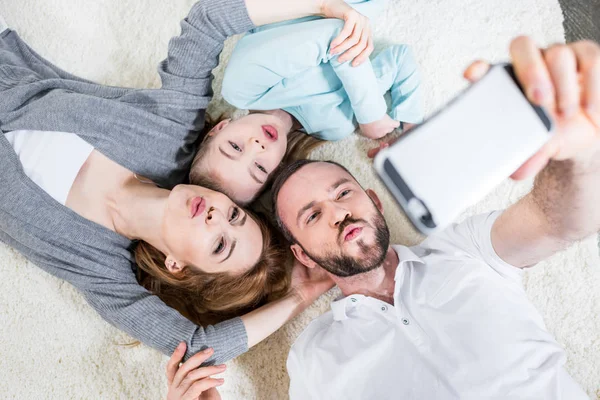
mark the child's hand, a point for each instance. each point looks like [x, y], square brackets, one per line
[378, 129]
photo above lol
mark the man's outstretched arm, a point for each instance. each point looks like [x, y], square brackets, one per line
[564, 205]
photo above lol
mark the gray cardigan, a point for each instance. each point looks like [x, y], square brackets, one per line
[152, 132]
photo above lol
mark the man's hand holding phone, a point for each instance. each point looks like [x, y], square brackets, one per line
[565, 80]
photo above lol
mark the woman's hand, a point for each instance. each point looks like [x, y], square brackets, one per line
[309, 283]
[355, 40]
[565, 80]
[187, 381]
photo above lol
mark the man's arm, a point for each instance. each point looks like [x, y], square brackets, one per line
[563, 206]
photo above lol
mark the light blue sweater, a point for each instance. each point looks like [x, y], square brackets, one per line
[288, 66]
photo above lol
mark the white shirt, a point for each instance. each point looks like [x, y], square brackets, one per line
[461, 327]
[51, 159]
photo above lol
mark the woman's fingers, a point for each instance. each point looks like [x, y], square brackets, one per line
[562, 66]
[362, 57]
[588, 60]
[174, 361]
[355, 50]
[201, 386]
[531, 71]
[194, 362]
[338, 45]
[199, 374]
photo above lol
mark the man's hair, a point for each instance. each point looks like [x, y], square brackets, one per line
[284, 174]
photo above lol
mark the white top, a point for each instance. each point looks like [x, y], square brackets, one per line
[461, 327]
[51, 159]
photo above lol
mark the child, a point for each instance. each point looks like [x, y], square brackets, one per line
[288, 70]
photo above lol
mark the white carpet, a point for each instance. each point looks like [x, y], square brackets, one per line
[54, 346]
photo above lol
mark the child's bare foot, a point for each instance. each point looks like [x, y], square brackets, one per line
[380, 128]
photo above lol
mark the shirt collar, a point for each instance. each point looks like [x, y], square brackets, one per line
[340, 306]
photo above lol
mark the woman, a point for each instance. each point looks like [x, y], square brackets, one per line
[300, 78]
[82, 226]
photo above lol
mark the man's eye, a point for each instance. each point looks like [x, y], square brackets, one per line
[261, 168]
[234, 214]
[344, 194]
[220, 247]
[312, 217]
[235, 147]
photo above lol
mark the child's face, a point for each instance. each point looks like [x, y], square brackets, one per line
[243, 153]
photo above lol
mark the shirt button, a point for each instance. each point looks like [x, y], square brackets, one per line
[383, 308]
[405, 321]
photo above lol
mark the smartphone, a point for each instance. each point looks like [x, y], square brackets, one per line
[463, 151]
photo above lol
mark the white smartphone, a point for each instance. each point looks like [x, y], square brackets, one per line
[465, 150]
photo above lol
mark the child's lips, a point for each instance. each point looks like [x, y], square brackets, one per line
[270, 132]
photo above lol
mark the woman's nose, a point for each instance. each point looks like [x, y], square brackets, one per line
[213, 216]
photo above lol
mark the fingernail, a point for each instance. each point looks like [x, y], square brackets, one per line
[222, 366]
[208, 350]
[180, 346]
[221, 381]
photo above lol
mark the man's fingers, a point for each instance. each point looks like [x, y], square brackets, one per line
[562, 66]
[476, 71]
[587, 54]
[199, 374]
[538, 161]
[197, 388]
[532, 72]
[362, 57]
[194, 362]
[374, 151]
[173, 363]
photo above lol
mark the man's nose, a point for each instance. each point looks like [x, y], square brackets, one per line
[339, 215]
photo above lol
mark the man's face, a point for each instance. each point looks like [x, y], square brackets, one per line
[333, 220]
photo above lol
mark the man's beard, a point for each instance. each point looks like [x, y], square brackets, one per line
[373, 256]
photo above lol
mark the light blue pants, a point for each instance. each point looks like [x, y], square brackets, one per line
[288, 66]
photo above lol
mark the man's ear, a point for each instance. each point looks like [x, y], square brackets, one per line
[301, 256]
[219, 127]
[375, 199]
[173, 266]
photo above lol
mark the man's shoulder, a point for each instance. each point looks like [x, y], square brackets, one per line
[314, 332]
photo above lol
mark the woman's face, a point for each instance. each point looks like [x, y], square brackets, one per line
[204, 229]
[243, 153]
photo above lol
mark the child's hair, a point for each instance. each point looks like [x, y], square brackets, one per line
[299, 146]
[209, 298]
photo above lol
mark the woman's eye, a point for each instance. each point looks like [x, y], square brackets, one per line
[312, 217]
[234, 214]
[235, 147]
[260, 167]
[220, 247]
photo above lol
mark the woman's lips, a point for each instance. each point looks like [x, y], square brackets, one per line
[270, 132]
[352, 232]
[197, 207]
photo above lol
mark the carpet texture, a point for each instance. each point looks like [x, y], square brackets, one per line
[54, 346]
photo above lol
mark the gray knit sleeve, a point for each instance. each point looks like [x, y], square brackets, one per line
[195, 52]
[131, 308]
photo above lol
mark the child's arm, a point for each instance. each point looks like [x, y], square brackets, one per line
[274, 55]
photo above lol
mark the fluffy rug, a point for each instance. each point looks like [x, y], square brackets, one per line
[54, 346]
